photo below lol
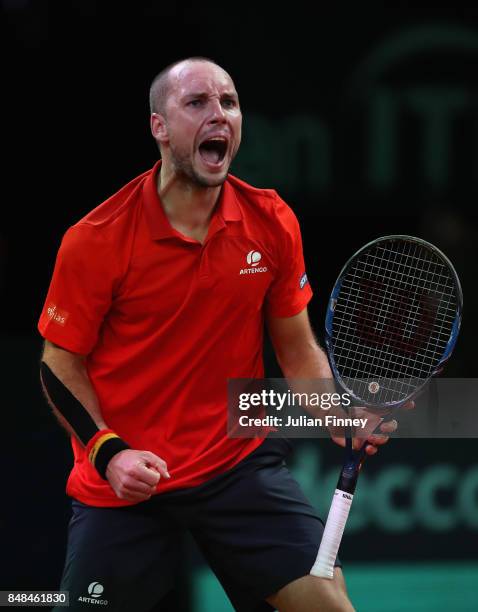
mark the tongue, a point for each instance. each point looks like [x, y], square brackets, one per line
[209, 155]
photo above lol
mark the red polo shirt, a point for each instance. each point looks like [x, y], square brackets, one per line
[165, 321]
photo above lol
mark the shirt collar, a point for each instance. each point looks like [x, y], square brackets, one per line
[227, 208]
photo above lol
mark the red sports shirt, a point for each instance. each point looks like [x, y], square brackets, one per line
[165, 321]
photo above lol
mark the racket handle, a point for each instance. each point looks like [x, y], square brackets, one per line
[332, 536]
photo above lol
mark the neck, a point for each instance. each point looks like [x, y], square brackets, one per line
[184, 203]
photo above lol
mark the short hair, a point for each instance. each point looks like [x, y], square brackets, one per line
[158, 91]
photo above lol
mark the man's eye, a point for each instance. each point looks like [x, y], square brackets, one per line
[195, 103]
[229, 102]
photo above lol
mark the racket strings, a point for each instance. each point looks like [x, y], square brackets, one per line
[392, 319]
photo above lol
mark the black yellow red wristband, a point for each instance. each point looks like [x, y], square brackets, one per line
[101, 445]
[102, 448]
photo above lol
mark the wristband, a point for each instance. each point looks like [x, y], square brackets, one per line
[104, 448]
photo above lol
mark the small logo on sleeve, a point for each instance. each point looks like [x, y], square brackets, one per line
[57, 315]
[303, 280]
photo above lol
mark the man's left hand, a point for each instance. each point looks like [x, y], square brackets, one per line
[366, 435]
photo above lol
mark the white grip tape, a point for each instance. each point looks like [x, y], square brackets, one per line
[332, 536]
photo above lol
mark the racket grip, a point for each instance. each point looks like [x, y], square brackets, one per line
[332, 536]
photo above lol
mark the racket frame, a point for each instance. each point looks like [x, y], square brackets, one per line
[343, 495]
[331, 311]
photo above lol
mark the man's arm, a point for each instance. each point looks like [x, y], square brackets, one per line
[300, 357]
[70, 369]
[132, 474]
[297, 350]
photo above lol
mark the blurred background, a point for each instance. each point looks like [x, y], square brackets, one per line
[366, 121]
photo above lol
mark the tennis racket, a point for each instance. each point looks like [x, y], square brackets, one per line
[392, 322]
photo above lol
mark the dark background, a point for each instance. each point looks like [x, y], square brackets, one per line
[365, 120]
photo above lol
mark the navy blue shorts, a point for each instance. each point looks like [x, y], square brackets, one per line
[253, 524]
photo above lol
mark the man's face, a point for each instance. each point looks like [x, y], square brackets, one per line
[203, 120]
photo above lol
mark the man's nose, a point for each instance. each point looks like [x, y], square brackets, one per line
[217, 112]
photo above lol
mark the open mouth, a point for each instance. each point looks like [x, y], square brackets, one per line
[213, 150]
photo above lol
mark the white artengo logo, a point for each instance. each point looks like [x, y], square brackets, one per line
[253, 258]
[95, 589]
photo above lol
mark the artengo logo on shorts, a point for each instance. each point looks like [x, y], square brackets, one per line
[95, 590]
[253, 258]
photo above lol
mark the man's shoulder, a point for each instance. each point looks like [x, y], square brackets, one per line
[115, 209]
[109, 227]
[263, 200]
[248, 190]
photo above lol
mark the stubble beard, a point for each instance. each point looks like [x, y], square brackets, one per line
[185, 169]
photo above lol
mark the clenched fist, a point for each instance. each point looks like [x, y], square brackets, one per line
[134, 475]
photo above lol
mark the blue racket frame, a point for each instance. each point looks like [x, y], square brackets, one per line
[329, 338]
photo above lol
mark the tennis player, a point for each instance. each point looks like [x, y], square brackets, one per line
[158, 296]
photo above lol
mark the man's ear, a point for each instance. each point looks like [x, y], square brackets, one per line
[159, 129]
